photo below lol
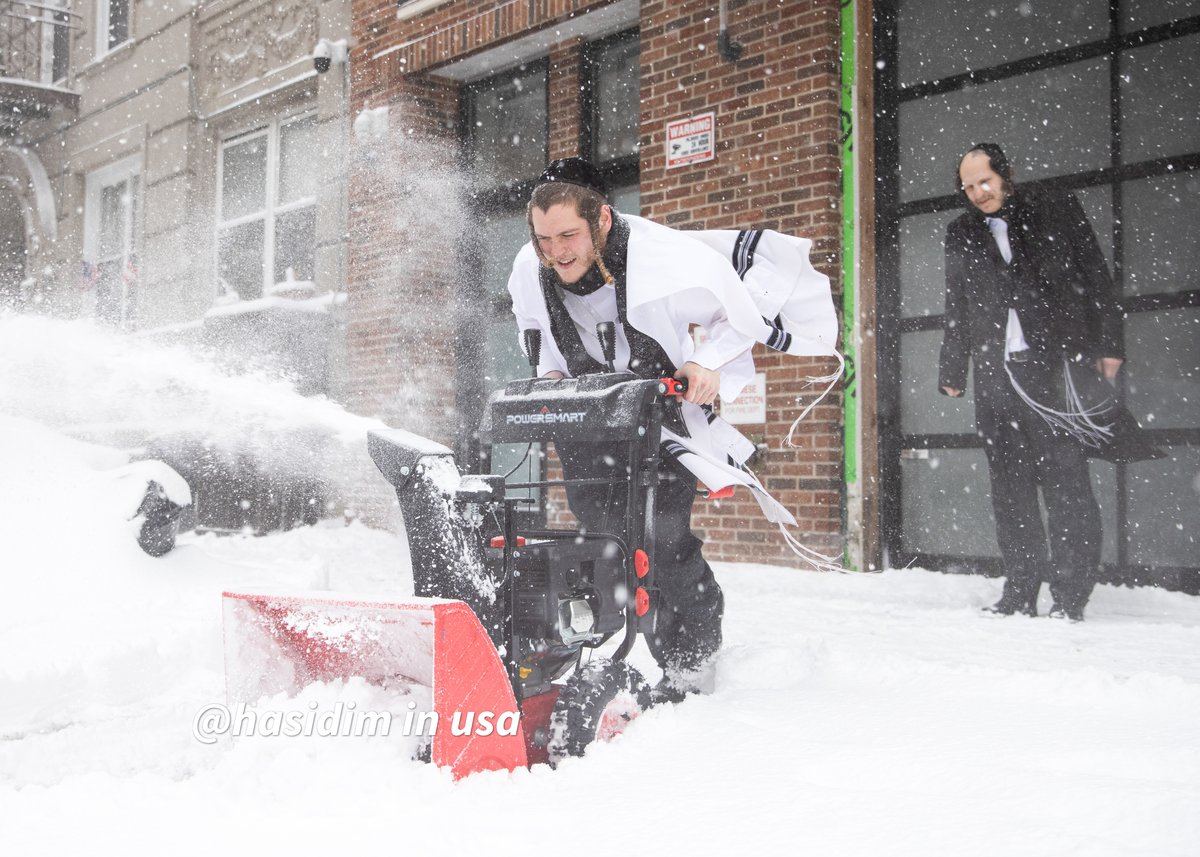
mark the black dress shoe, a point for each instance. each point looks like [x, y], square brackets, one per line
[1008, 606]
[1058, 611]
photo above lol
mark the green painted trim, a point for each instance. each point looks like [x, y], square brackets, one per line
[850, 394]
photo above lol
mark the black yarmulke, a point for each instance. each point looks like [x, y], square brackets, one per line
[575, 171]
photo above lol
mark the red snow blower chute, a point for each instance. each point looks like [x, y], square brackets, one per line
[504, 613]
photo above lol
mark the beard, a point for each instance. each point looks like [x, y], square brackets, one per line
[591, 280]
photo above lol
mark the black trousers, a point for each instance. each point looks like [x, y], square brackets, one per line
[1024, 455]
[690, 605]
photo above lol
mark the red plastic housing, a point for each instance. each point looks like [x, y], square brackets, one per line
[283, 642]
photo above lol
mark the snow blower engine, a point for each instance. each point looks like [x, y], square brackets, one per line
[505, 615]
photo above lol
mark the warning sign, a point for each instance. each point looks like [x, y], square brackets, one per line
[692, 140]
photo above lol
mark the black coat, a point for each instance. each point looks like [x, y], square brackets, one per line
[1058, 282]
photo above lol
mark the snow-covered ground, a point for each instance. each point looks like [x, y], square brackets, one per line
[854, 714]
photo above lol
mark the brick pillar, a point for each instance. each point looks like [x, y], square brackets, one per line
[406, 214]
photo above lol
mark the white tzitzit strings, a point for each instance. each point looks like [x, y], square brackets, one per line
[819, 561]
[829, 380]
[1078, 419]
[816, 559]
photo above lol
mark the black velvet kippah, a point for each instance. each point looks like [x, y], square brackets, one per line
[575, 171]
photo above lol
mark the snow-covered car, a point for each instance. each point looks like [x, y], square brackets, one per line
[158, 497]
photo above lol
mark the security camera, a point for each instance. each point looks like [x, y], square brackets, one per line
[326, 53]
[322, 56]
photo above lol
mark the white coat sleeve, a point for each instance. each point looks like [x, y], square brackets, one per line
[725, 350]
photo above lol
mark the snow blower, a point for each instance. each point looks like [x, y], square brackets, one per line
[503, 614]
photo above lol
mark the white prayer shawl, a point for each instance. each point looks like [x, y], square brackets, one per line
[781, 281]
[672, 278]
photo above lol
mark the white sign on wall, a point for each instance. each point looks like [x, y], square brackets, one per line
[692, 140]
[751, 405]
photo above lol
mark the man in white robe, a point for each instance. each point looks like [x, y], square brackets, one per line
[586, 265]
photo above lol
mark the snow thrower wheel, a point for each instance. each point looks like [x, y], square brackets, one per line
[595, 704]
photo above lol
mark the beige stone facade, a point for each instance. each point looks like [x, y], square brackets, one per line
[176, 171]
[150, 117]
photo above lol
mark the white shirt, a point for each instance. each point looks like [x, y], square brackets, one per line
[1014, 337]
[722, 344]
[587, 311]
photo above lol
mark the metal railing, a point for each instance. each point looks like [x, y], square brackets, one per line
[35, 40]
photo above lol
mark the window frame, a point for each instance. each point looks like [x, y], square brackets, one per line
[505, 198]
[514, 192]
[110, 175]
[271, 209]
[104, 22]
[55, 41]
[624, 170]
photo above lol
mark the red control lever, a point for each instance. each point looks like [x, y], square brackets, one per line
[673, 386]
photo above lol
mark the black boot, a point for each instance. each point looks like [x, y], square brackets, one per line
[1066, 611]
[1011, 603]
[1069, 595]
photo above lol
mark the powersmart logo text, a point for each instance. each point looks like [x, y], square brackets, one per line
[545, 417]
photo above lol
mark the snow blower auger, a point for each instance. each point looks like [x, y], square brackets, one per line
[503, 614]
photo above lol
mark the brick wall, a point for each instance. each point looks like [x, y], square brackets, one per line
[566, 107]
[404, 224]
[777, 166]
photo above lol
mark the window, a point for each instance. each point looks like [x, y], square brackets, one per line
[506, 133]
[112, 216]
[55, 40]
[612, 113]
[507, 129]
[60, 50]
[266, 220]
[112, 24]
[506, 140]
[1097, 98]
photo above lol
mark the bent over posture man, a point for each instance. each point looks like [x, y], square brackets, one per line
[1027, 289]
[587, 264]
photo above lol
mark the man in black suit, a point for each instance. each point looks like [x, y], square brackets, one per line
[1027, 288]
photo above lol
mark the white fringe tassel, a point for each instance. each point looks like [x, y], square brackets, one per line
[1077, 420]
[818, 561]
[829, 380]
[772, 510]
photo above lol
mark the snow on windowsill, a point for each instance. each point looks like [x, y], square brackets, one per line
[319, 304]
